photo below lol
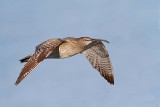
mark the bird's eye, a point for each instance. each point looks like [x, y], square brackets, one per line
[86, 39]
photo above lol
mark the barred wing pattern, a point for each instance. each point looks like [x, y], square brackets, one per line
[42, 51]
[99, 58]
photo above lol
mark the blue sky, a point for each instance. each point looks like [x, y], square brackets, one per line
[132, 27]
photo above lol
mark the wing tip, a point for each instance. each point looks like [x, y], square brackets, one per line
[16, 83]
[111, 82]
[110, 79]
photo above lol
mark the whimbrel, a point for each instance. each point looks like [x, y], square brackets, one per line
[93, 49]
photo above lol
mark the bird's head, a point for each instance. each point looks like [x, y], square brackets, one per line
[88, 40]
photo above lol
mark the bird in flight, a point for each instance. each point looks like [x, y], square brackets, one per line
[93, 49]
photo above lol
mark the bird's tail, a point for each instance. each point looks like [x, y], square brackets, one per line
[25, 59]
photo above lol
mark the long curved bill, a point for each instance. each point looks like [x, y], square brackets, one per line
[101, 40]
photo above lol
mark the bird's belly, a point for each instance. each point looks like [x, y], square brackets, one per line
[68, 50]
[66, 53]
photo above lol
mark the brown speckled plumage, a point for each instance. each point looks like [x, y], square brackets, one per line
[93, 49]
[99, 58]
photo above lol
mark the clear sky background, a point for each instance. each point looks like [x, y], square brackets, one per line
[131, 26]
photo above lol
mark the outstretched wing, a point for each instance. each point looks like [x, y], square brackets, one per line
[42, 51]
[99, 58]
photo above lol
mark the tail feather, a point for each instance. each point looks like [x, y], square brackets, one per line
[25, 59]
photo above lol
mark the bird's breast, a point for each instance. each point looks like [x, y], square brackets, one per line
[69, 49]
